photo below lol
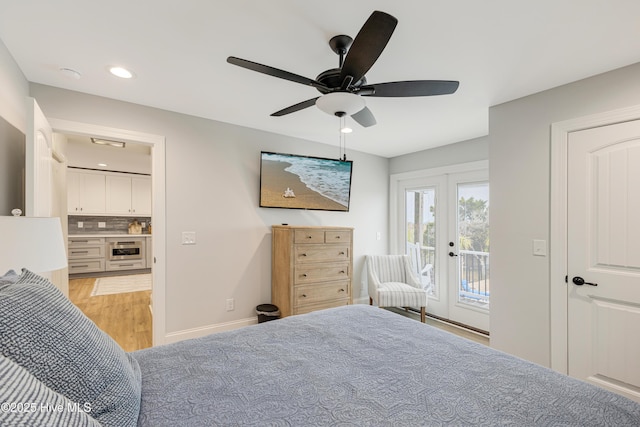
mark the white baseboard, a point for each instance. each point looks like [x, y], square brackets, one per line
[361, 300]
[172, 337]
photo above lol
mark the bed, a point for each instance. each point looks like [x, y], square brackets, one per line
[355, 365]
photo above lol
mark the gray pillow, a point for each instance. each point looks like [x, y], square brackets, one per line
[9, 278]
[42, 331]
[28, 402]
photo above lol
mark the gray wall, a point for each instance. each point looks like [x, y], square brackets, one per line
[462, 152]
[520, 202]
[212, 180]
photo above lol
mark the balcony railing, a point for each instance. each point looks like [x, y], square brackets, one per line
[474, 272]
[474, 276]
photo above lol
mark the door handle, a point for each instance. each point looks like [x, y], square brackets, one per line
[580, 281]
[451, 254]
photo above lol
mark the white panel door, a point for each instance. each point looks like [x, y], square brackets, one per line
[38, 162]
[604, 257]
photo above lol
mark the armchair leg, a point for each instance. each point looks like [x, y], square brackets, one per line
[370, 301]
[423, 314]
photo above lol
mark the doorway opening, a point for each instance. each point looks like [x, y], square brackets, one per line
[109, 224]
[441, 219]
[155, 250]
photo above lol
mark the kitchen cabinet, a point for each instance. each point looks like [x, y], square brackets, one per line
[128, 195]
[311, 268]
[86, 255]
[85, 193]
[108, 193]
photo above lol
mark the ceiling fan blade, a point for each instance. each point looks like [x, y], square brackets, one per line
[410, 88]
[297, 107]
[367, 47]
[265, 69]
[364, 117]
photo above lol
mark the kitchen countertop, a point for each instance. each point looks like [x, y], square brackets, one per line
[74, 236]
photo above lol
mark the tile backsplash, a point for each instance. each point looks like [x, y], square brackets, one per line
[112, 224]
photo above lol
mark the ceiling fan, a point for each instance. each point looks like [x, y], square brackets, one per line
[343, 87]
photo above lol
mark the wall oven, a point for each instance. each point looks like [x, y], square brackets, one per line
[125, 249]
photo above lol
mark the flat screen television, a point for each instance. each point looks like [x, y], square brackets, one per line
[303, 182]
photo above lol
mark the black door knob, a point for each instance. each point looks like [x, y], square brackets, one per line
[580, 281]
[451, 254]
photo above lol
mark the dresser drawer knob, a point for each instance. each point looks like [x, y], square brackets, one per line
[304, 274]
[342, 272]
[308, 237]
[341, 253]
[341, 290]
[303, 254]
[304, 295]
[337, 237]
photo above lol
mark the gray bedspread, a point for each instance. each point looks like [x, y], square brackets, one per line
[360, 366]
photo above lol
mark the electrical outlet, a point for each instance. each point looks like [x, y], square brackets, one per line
[230, 304]
[378, 235]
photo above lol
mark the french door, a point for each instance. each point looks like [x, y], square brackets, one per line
[442, 222]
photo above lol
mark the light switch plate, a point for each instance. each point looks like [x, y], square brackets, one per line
[80, 224]
[188, 237]
[539, 247]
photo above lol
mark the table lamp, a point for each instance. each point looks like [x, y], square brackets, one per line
[33, 243]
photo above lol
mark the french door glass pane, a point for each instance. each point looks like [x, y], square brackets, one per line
[421, 235]
[473, 244]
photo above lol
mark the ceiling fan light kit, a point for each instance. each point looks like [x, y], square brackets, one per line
[342, 88]
[340, 102]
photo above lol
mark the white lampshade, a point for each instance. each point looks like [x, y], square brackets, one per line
[32, 243]
[340, 102]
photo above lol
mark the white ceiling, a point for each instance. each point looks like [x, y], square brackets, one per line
[499, 50]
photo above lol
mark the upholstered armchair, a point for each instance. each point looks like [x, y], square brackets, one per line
[392, 282]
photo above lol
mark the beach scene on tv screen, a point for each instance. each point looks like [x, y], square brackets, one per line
[298, 182]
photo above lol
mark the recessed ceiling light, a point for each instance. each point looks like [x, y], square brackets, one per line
[121, 72]
[346, 130]
[102, 165]
[71, 73]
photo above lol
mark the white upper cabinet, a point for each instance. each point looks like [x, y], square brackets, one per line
[113, 194]
[85, 193]
[141, 195]
[118, 194]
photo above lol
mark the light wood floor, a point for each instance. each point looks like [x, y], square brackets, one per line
[457, 330]
[125, 317]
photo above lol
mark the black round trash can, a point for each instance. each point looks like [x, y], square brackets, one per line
[267, 312]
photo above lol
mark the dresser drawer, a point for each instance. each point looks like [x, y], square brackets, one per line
[319, 253]
[80, 252]
[310, 273]
[308, 236]
[313, 294]
[337, 236]
[308, 308]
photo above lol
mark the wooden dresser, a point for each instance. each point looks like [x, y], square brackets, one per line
[311, 268]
